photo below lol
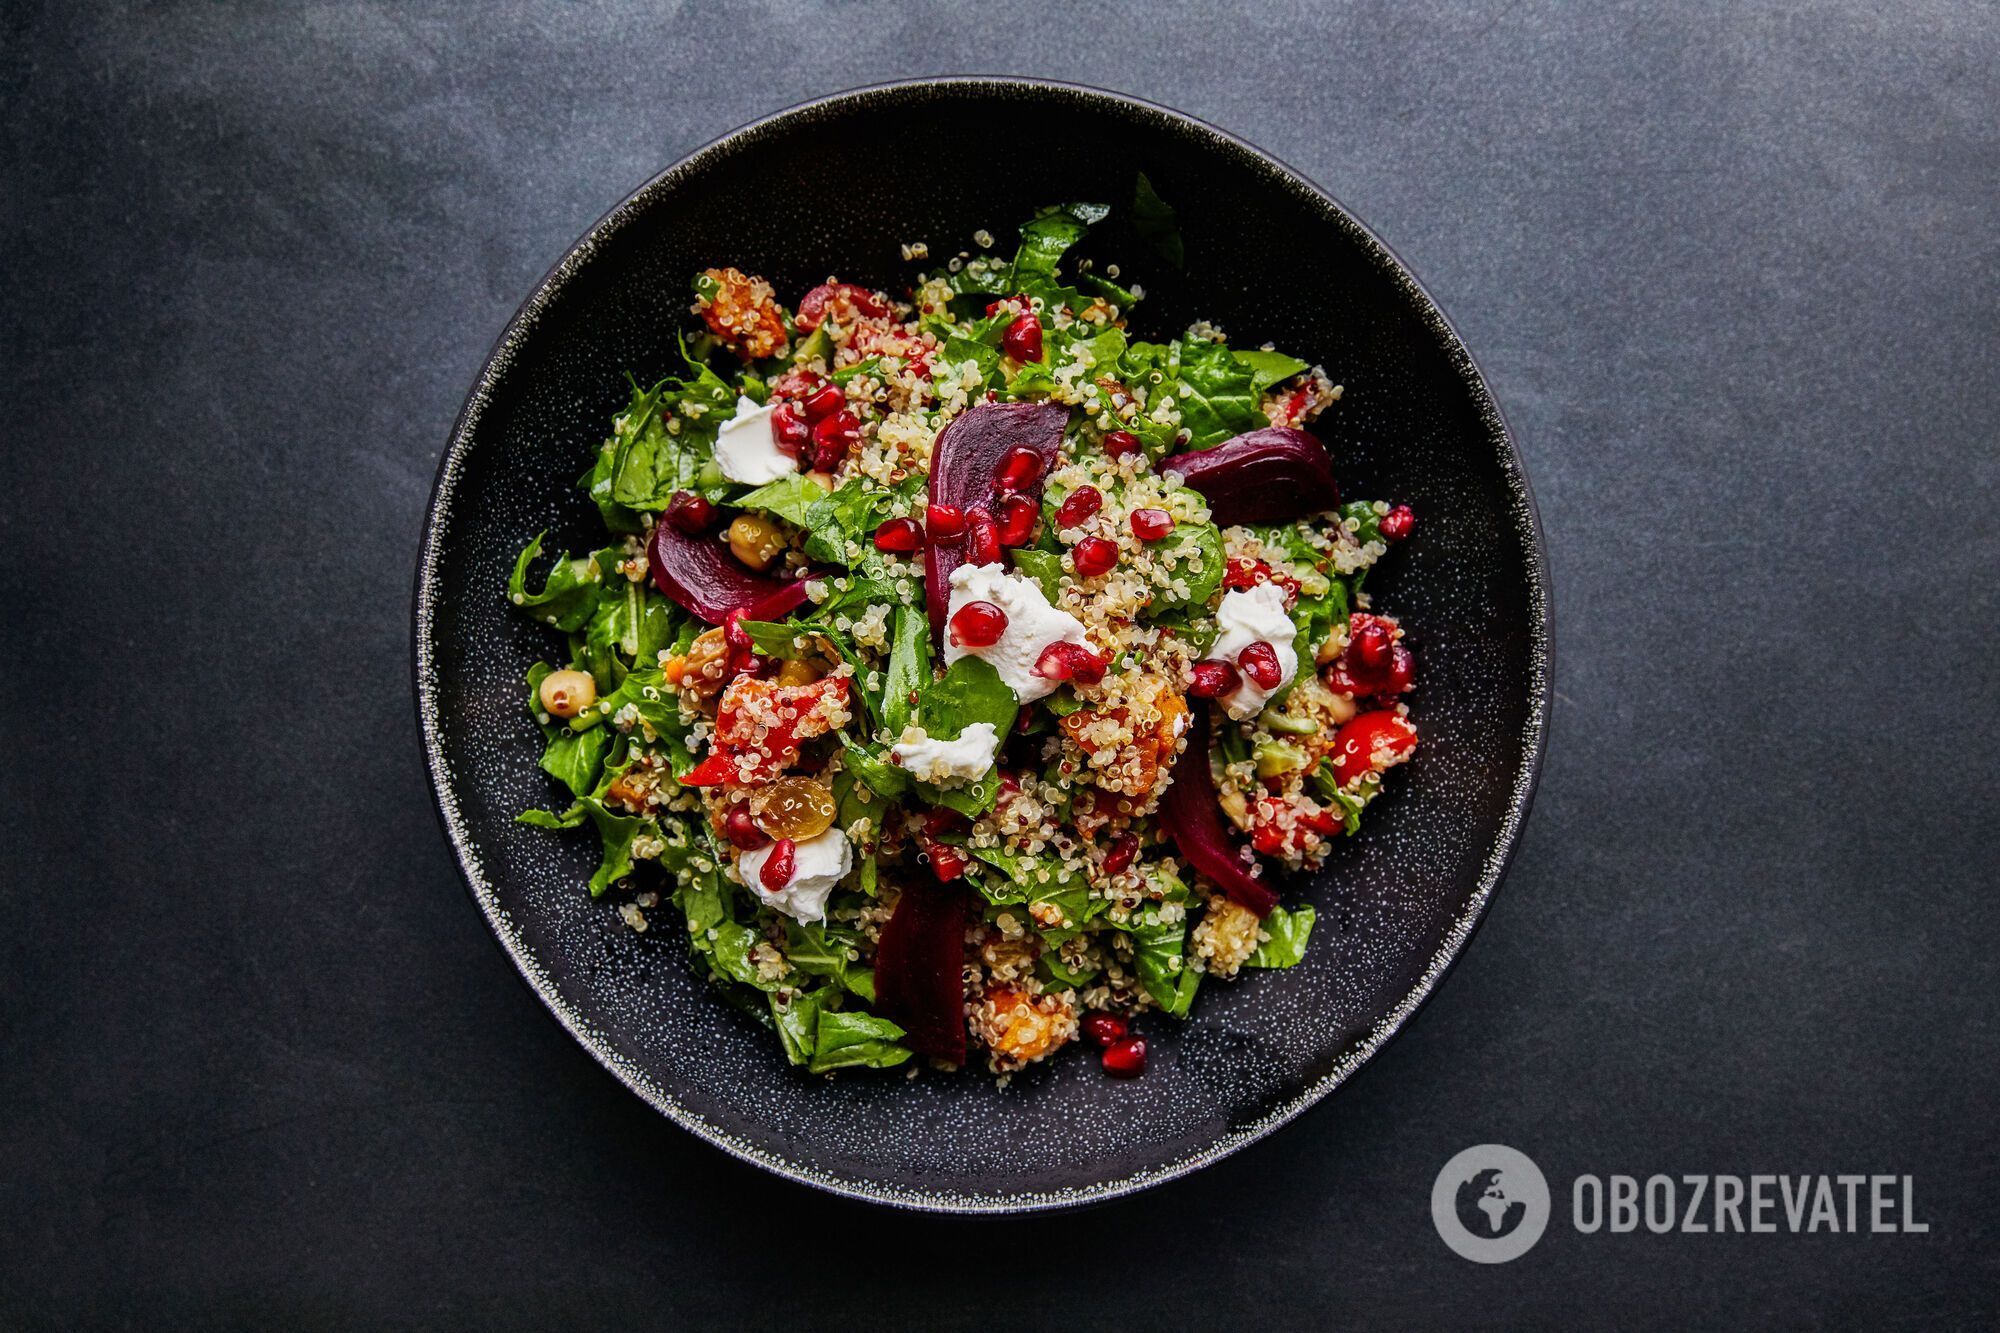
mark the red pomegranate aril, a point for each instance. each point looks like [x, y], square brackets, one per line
[899, 535]
[1149, 525]
[1105, 1028]
[978, 625]
[824, 402]
[942, 819]
[945, 522]
[1212, 679]
[1054, 663]
[1063, 660]
[841, 429]
[1079, 506]
[690, 513]
[1242, 573]
[777, 870]
[1086, 667]
[789, 429]
[1372, 646]
[1121, 443]
[1124, 850]
[1125, 1058]
[1402, 670]
[1018, 469]
[733, 632]
[742, 830]
[1398, 523]
[1016, 520]
[1260, 662]
[982, 539]
[1094, 556]
[1023, 338]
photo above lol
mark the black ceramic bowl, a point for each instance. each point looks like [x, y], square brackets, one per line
[837, 186]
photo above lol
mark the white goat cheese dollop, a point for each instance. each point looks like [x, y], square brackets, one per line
[747, 451]
[818, 864]
[1032, 625]
[948, 763]
[1247, 616]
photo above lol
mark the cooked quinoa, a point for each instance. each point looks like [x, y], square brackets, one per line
[966, 671]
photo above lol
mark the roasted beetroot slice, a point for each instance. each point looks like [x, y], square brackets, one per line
[701, 574]
[1272, 475]
[920, 970]
[1193, 819]
[963, 462]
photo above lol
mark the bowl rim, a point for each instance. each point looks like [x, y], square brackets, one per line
[425, 594]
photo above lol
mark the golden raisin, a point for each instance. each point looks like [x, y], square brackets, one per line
[795, 808]
[798, 671]
[706, 666]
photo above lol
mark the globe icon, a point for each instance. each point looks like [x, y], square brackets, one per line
[1484, 1208]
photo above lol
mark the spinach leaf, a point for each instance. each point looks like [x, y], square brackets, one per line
[1288, 932]
[909, 664]
[843, 1040]
[969, 691]
[1195, 550]
[790, 498]
[1160, 950]
[1046, 237]
[1157, 223]
[650, 463]
[1215, 394]
[884, 779]
[1269, 368]
[1044, 567]
[798, 1023]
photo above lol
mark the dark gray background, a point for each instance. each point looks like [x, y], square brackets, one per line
[1733, 274]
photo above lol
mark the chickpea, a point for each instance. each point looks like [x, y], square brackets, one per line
[567, 693]
[1328, 650]
[798, 671]
[754, 540]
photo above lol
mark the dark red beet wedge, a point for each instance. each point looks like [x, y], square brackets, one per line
[1191, 817]
[701, 575]
[1272, 475]
[964, 464]
[919, 969]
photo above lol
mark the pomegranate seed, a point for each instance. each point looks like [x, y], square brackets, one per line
[1402, 670]
[1397, 523]
[1070, 661]
[1121, 443]
[1149, 525]
[1104, 1028]
[1125, 1058]
[1018, 469]
[742, 830]
[941, 819]
[777, 871]
[690, 513]
[978, 625]
[945, 522]
[833, 437]
[982, 539]
[1212, 679]
[1260, 662]
[947, 862]
[901, 535]
[1023, 338]
[789, 430]
[1243, 573]
[1054, 663]
[1373, 646]
[1016, 520]
[1079, 506]
[824, 402]
[1124, 850]
[1093, 556]
[733, 632]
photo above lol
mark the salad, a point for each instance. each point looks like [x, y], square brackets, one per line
[963, 669]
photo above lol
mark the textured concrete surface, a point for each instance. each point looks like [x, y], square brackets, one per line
[1733, 273]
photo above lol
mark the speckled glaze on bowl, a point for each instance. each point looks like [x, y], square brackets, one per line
[835, 186]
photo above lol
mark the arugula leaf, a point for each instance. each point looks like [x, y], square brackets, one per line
[1157, 223]
[568, 598]
[843, 1040]
[820, 950]
[1288, 932]
[909, 663]
[790, 498]
[616, 832]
